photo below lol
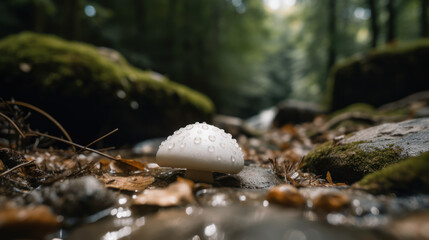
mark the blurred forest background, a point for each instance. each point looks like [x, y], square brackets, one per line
[244, 54]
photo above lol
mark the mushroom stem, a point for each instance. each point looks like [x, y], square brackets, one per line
[199, 176]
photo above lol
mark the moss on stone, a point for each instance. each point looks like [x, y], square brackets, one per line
[379, 76]
[75, 82]
[349, 162]
[356, 107]
[52, 60]
[408, 176]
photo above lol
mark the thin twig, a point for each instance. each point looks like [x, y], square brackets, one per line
[74, 144]
[98, 139]
[47, 115]
[16, 167]
[13, 124]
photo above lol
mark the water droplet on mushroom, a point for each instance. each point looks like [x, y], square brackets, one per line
[189, 127]
[205, 127]
[178, 132]
[219, 158]
[236, 145]
[163, 143]
[211, 149]
[169, 137]
[212, 138]
[170, 146]
[233, 159]
[182, 145]
[197, 140]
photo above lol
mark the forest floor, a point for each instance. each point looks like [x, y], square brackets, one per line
[78, 192]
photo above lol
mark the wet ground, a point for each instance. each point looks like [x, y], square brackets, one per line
[67, 195]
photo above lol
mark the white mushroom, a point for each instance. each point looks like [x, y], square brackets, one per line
[201, 149]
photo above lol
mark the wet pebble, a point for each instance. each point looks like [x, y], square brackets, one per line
[286, 195]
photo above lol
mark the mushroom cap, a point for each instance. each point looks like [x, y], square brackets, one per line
[203, 147]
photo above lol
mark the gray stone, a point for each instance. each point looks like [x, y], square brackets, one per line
[78, 197]
[251, 177]
[411, 136]
[369, 150]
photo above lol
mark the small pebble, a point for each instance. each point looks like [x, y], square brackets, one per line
[331, 202]
[285, 195]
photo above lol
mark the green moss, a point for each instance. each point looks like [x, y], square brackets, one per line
[91, 91]
[349, 162]
[54, 60]
[408, 176]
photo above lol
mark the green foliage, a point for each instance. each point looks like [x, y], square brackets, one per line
[406, 177]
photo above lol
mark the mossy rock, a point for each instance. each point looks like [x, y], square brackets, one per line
[91, 91]
[369, 150]
[380, 76]
[407, 177]
[349, 162]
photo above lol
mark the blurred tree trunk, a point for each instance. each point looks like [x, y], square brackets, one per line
[71, 24]
[391, 21]
[373, 23]
[140, 12]
[332, 32]
[424, 30]
[39, 16]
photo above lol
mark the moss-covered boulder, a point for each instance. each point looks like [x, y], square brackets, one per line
[93, 90]
[406, 177]
[381, 76]
[369, 150]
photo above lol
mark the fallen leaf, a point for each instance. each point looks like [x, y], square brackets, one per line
[177, 193]
[329, 178]
[289, 128]
[27, 222]
[129, 183]
[134, 163]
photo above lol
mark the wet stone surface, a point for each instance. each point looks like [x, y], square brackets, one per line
[411, 136]
[75, 197]
[369, 150]
[251, 177]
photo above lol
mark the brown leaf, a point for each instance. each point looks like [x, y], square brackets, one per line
[329, 178]
[177, 193]
[134, 163]
[129, 183]
[27, 222]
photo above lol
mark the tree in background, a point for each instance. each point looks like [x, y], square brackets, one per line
[373, 22]
[391, 21]
[424, 28]
[244, 57]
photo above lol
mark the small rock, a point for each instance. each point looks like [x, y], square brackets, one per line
[294, 111]
[285, 195]
[369, 150]
[331, 202]
[76, 197]
[251, 177]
